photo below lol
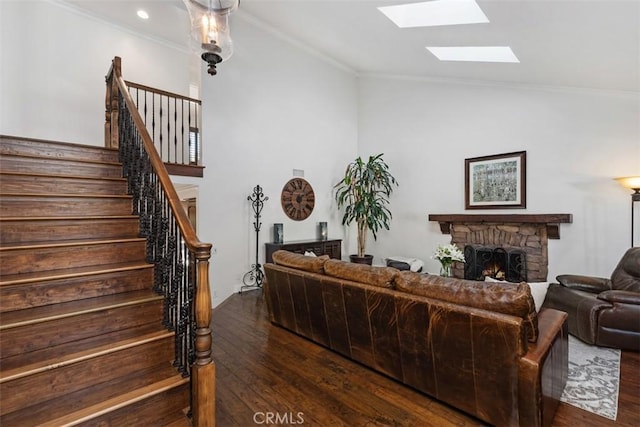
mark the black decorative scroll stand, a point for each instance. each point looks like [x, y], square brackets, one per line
[253, 278]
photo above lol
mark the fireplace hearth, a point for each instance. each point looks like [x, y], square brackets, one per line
[495, 262]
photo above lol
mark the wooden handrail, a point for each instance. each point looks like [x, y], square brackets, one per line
[203, 368]
[161, 92]
[186, 228]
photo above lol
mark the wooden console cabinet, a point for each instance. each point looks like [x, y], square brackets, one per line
[331, 247]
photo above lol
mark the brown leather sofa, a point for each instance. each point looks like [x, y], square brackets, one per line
[479, 347]
[603, 312]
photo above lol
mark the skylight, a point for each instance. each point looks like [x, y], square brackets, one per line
[434, 13]
[474, 53]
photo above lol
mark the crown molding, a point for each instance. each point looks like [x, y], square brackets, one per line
[95, 17]
[506, 85]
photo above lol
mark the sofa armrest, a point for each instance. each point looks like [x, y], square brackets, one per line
[624, 297]
[544, 370]
[584, 283]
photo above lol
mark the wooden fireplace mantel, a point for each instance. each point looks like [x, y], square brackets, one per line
[552, 221]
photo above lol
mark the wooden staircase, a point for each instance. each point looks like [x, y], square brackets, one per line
[81, 335]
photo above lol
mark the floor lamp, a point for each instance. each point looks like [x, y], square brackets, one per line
[632, 182]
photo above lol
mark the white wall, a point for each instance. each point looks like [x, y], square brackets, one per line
[272, 108]
[52, 68]
[576, 143]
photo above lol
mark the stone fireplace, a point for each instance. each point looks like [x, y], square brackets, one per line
[528, 233]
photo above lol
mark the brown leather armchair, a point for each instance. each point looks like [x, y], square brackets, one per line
[603, 312]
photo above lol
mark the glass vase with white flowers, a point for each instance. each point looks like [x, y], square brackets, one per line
[447, 254]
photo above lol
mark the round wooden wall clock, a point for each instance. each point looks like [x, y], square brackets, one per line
[297, 199]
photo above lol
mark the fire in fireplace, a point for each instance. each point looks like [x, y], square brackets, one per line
[495, 262]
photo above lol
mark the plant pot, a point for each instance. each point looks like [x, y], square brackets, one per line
[366, 259]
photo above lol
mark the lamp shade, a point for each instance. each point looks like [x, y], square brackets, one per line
[632, 182]
[210, 25]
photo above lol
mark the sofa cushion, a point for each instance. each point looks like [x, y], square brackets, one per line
[538, 290]
[301, 262]
[507, 298]
[363, 273]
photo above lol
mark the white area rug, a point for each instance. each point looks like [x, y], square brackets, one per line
[594, 377]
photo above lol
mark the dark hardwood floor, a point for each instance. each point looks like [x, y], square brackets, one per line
[267, 375]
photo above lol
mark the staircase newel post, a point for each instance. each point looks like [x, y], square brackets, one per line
[203, 370]
[107, 110]
[111, 104]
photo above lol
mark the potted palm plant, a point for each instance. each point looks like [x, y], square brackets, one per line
[364, 192]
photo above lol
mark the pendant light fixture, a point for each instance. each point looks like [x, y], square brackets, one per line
[210, 29]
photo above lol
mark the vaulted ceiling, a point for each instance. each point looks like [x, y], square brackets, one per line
[569, 43]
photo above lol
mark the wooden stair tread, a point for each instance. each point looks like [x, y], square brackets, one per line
[48, 159]
[64, 205]
[47, 313]
[6, 139]
[94, 411]
[63, 176]
[67, 243]
[43, 412]
[67, 196]
[65, 273]
[66, 218]
[21, 360]
[77, 356]
[36, 231]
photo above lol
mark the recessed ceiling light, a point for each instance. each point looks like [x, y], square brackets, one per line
[474, 53]
[142, 14]
[434, 13]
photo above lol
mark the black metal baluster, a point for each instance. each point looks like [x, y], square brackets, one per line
[180, 141]
[189, 122]
[145, 108]
[199, 138]
[189, 119]
[153, 118]
[175, 266]
[182, 131]
[175, 129]
[161, 130]
[189, 277]
[180, 294]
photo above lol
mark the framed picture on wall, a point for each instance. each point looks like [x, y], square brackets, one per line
[496, 182]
